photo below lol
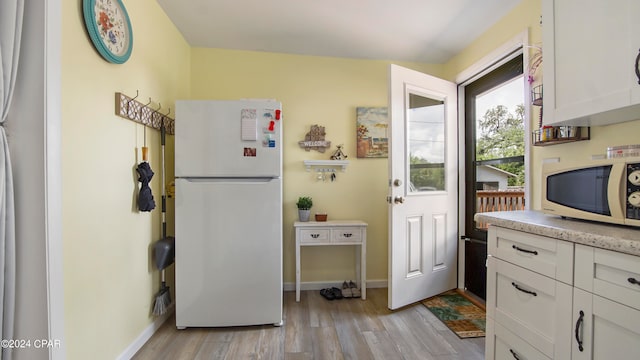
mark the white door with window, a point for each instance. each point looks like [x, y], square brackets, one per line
[423, 186]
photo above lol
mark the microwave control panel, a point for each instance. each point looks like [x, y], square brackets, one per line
[633, 191]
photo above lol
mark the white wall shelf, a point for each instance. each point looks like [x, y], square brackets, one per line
[342, 164]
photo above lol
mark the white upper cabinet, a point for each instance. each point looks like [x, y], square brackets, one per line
[591, 48]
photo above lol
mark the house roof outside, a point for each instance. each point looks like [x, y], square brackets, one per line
[493, 168]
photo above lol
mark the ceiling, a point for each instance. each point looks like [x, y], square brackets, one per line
[427, 31]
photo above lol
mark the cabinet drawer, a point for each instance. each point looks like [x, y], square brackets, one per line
[347, 234]
[503, 344]
[541, 254]
[315, 235]
[535, 307]
[610, 274]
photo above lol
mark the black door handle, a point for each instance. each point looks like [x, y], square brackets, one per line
[513, 353]
[578, 323]
[638, 66]
[525, 250]
[523, 290]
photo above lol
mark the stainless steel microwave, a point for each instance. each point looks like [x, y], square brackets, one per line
[606, 190]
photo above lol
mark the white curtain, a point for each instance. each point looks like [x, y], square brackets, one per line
[11, 14]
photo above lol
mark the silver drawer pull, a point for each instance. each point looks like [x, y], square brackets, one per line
[525, 250]
[315, 236]
[347, 234]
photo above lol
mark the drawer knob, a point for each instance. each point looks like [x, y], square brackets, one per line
[525, 250]
[633, 281]
[513, 353]
[315, 236]
[347, 234]
[524, 290]
[578, 323]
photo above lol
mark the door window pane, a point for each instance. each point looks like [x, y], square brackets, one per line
[426, 141]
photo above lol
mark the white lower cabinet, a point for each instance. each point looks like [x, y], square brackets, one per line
[534, 306]
[606, 305]
[535, 312]
[502, 344]
[604, 329]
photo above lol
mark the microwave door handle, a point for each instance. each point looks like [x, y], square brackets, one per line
[617, 190]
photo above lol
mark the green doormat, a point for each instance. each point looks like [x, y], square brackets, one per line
[459, 314]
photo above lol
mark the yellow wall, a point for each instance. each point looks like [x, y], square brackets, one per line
[525, 15]
[323, 91]
[109, 279]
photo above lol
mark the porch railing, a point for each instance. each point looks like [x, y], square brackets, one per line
[498, 200]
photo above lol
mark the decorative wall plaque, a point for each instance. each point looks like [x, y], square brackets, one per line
[315, 140]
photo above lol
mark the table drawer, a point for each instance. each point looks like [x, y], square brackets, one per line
[544, 255]
[610, 274]
[347, 234]
[315, 235]
[534, 306]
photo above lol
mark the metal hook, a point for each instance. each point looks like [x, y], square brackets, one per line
[129, 105]
[156, 110]
[142, 107]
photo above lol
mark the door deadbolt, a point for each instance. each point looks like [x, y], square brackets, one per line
[397, 182]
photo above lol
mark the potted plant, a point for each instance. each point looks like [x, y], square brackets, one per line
[304, 205]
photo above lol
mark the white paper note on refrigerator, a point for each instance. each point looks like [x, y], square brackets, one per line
[249, 125]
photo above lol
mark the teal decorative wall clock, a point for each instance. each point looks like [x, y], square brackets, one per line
[109, 28]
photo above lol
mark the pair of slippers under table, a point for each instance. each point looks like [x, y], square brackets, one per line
[331, 293]
[350, 290]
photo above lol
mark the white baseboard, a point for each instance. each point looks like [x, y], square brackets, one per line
[142, 339]
[317, 285]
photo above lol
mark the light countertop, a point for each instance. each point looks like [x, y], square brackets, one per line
[625, 239]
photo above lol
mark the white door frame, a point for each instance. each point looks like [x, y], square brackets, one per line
[486, 64]
[53, 180]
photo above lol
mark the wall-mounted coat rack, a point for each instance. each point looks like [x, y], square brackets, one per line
[130, 108]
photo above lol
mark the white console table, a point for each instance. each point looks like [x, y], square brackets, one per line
[333, 233]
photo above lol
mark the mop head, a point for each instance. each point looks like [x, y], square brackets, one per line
[163, 300]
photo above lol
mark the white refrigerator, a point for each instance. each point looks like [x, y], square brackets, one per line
[228, 213]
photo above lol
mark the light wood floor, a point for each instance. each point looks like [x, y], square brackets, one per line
[316, 328]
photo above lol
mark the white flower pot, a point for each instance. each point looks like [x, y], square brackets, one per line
[304, 215]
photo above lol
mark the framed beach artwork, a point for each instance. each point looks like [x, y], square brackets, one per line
[372, 125]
